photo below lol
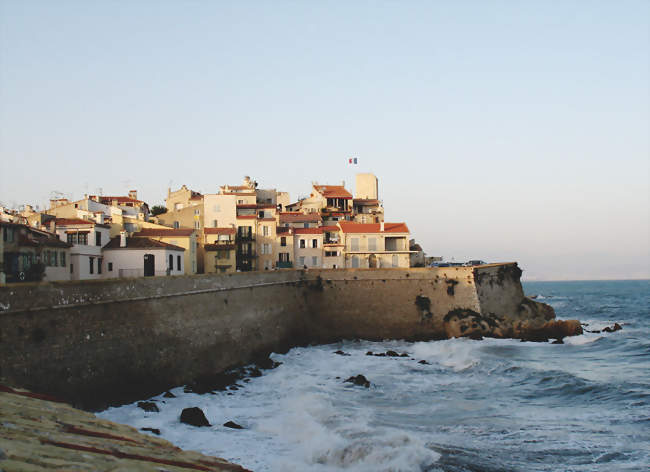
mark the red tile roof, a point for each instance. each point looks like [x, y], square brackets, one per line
[350, 227]
[73, 221]
[308, 230]
[219, 230]
[140, 243]
[333, 191]
[330, 228]
[297, 217]
[163, 232]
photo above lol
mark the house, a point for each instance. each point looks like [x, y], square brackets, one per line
[374, 245]
[333, 247]
[87, 239]
[219, 250]
[308, 247]
[142, 257]
[182, 198]
[23, 249]
[186, 238]
[298, 219]
[284, 243]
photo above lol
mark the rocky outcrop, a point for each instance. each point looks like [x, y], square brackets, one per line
[194, 416]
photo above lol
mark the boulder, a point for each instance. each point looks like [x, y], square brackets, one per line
[359, 380]
[148, 406]
[555, 329]
[169, 395]
[616, 327]
[341, 353]
[233, 425]
[194, 416]
[151, 430]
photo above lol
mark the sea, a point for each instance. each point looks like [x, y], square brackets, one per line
[458, 405]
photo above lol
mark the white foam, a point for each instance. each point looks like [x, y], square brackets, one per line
[458, 354]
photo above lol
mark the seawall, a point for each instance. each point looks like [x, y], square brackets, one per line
[117, 340]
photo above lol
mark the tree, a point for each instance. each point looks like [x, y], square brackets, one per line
[158, 210]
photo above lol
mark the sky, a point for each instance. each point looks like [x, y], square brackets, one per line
[499, 130]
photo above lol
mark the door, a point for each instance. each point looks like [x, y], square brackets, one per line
[372, 261]
[149, 265]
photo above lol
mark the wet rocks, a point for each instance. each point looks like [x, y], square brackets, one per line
[228, 379]
[359, 380]
[151, 430]
[169, 395]
[194, 416]
[148, 406]
[233, 425]
[387, 354]
[616, 327]
[423, 362]
[341, 353]
[553, 329]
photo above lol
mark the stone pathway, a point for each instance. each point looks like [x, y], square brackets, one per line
[39, 433]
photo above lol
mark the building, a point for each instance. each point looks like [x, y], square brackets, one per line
[284, 243]
[375, 245]
[87, 239]
[142, 257]
[30, 254]
[182, 198]
[308, 247]
[219, 250]
[186, 238]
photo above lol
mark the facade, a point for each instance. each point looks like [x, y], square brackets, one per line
[186, 238]
[284, 243]
[24, 248]
[182, 198]
[308, 247]
[87, 239]
[142, 257]
[219, 250]
[375, 245]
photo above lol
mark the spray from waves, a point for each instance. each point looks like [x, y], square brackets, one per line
[457, 354]
[325, 438]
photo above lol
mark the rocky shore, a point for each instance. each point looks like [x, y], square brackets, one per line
[40, 433]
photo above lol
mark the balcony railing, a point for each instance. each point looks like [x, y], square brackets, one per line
[284, 265]
[245, 237]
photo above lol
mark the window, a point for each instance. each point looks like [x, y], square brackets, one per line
[283, 241]
[99, 265]
[240, 202]
[83, 239]
[110, 267]
[355, 262]
[62, 259]
[98, 238]
[171, 262]
[178, 262]
[265, 230]
[197, 225]
[314, 243]
[91, 262]
[197, 212]
[268, 248]
[314, 261]
[331, 253]
[176, 225]
[217, 208]
[372, 244]
[301, 260]
[72, 268]
[354, 246]
[55, 258]
[283, 257]
[214, 224]
[302, 243]
[395, 260]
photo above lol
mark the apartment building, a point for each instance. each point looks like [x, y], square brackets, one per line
[87, 239]
[308, 247]
[375, 245]
[219, 250]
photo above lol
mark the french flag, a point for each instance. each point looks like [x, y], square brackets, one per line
[352, 160]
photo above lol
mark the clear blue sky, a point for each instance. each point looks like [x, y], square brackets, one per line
[498, 130]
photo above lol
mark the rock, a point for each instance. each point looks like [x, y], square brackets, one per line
[370, 353]
[151, 430]
[403, 354]
[533, 297]
[194, 416]
[616, 327]
[169, 395]
[254, 372]
[148, 406]
[359, 380]
[266, 363]
[341, 353]
[556, 329]
[233, 425]
[423, 362]
[475, 336]
[558, 341]
[392, 354]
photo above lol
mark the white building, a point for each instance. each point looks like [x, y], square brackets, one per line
[87, 239]
[138, 257]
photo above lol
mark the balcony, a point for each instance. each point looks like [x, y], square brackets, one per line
[284, 265]
[246, 255]
[245, 237]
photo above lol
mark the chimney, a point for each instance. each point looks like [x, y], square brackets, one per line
[122, 238]
[133, 194]
[381, 226]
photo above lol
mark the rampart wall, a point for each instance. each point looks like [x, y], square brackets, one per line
[90, 342]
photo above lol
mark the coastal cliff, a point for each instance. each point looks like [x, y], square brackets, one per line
[93, 343]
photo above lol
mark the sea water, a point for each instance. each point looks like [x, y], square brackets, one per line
[490, 405]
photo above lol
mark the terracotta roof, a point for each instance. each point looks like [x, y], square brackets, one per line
[333, 191]
[108, 200]
[72, 221]
[365, 201]
[350, 227]
[219, 230]
[330, 228]
[140, 243]
[196, 197]
[216, 247]
[308, 230]
[163, 232]
[297, 217]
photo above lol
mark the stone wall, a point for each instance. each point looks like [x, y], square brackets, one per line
[89, 342]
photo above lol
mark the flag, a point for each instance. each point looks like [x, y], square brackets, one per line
[352, 160]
